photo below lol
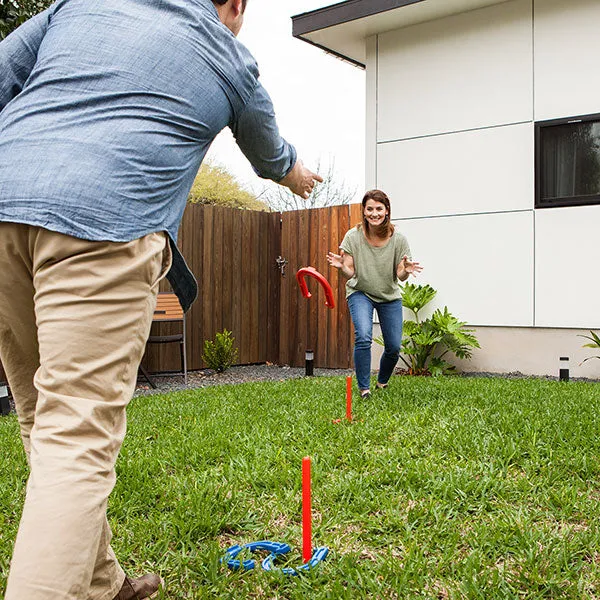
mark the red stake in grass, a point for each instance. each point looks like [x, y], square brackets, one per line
[349, 397]
[306, 511]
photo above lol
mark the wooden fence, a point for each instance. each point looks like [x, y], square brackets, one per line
[233, 254]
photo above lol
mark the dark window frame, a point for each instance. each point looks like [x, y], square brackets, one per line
[540, 202]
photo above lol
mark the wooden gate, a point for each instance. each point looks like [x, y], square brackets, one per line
[306, 237]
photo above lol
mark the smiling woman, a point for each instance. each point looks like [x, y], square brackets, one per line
[374, 258]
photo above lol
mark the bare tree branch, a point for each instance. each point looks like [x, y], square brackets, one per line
[331, 192]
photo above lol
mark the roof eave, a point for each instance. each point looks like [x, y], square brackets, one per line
[339, 55]
[337, 14]
[343, 12]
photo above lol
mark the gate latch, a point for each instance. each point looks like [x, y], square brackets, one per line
[281, 263]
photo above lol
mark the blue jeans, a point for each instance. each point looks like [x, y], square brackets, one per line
[390, 319]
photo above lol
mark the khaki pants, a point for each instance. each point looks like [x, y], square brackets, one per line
[74, 319]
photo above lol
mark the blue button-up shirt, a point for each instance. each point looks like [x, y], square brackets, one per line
[108, 108]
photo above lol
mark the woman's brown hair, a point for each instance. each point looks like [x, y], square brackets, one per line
[221, 2]
[386, 229]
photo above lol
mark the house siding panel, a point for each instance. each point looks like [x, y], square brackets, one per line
[567, 47]
[481, 265]
[462, 72]
[567, 258]
[488, 170]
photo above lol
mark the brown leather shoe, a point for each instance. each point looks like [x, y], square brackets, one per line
[146, 586]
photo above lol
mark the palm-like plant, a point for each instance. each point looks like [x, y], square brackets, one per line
[594, 343]
[426, 342]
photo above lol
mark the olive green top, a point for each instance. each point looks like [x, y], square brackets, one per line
[374, 267]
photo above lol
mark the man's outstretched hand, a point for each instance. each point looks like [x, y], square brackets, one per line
[301, 180]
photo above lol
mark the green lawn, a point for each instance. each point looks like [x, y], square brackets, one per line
[441, 488]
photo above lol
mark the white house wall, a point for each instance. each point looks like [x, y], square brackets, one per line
[371, 117]
[454, 107]
[450, 136]
[462, 72]
[567, 50]
[567, 83]
[481, 265]
[451, 108]
[567, 251]
[476, 171]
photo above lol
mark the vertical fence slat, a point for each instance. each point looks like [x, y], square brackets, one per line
[294, 330]
[245, 290]
[273, 287]
[228, 267]
[303, 340]
[284, 311]
[217, 269]
[323, 335]
[206, 282]
[255, 283]
[236, 281]
[264, 268]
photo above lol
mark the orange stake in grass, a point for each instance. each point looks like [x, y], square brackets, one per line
[349, 397]
[306, 511]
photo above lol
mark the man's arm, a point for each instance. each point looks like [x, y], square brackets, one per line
[18, 54]
[257, 135]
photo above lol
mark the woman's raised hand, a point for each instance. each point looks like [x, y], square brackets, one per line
[408, 266]
[335, 260]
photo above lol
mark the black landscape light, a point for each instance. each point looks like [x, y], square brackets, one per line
[563, 368]
[309, 358]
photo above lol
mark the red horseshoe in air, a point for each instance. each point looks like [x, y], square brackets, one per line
[312, 272]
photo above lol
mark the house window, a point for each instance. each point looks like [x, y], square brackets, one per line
[568, 162]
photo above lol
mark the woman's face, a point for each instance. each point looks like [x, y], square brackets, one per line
[375, 212]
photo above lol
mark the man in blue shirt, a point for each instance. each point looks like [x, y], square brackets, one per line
[107, 110]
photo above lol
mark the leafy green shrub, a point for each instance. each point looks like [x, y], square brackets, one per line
[15, 12]
[220, 354]
[426, 342]
[214, 184]
[595, 343]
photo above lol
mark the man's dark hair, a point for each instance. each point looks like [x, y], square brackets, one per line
[221, 2]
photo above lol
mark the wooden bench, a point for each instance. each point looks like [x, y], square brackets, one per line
[168, 310]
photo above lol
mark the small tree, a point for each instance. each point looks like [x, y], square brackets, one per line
[329, 193]
[214, 184]
[220, 354]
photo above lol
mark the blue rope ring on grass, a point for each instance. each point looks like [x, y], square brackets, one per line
[319, 554]
[231, 554]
